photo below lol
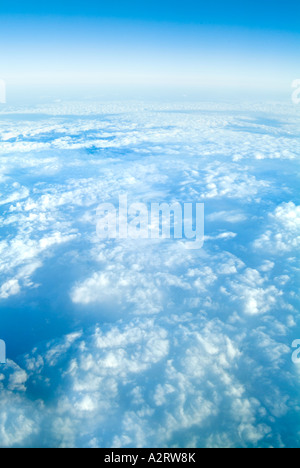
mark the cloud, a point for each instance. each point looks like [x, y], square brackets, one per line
[21, 257]
[10, 288]
[232, 217]
[20, 194]
[283, 233]
[223, 235]
[253, 292]
[171, 347]
[147, 382]
[19, 417]
[226, 182]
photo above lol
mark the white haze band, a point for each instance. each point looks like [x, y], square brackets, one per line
[162, 221]
[2, 92]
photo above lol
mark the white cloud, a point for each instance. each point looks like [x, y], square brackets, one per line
[252, 290]
[10, 288]
[191, 348]
[232, 217]
[20, 258]
[283, 233]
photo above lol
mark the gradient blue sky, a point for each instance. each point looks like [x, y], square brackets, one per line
[165, 347]
[251, 45]
[249, 13]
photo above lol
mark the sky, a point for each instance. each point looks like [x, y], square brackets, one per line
[166, 45]
[264, 14]
[144, 343]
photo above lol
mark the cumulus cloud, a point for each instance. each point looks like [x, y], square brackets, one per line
[144, 382]
[256, 296]
[283, 233]
[21, 257]
[171, 347]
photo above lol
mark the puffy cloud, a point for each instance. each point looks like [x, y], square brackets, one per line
[147, 382]
[256, 296]
[283, 234]
[20, 258]
[226, 182]
[171, 347]
[19, 417]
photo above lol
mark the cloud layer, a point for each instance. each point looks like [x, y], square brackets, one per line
[144, 342]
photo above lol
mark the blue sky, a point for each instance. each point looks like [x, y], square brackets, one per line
[134, 343]
[263, 14]
[181, 45]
